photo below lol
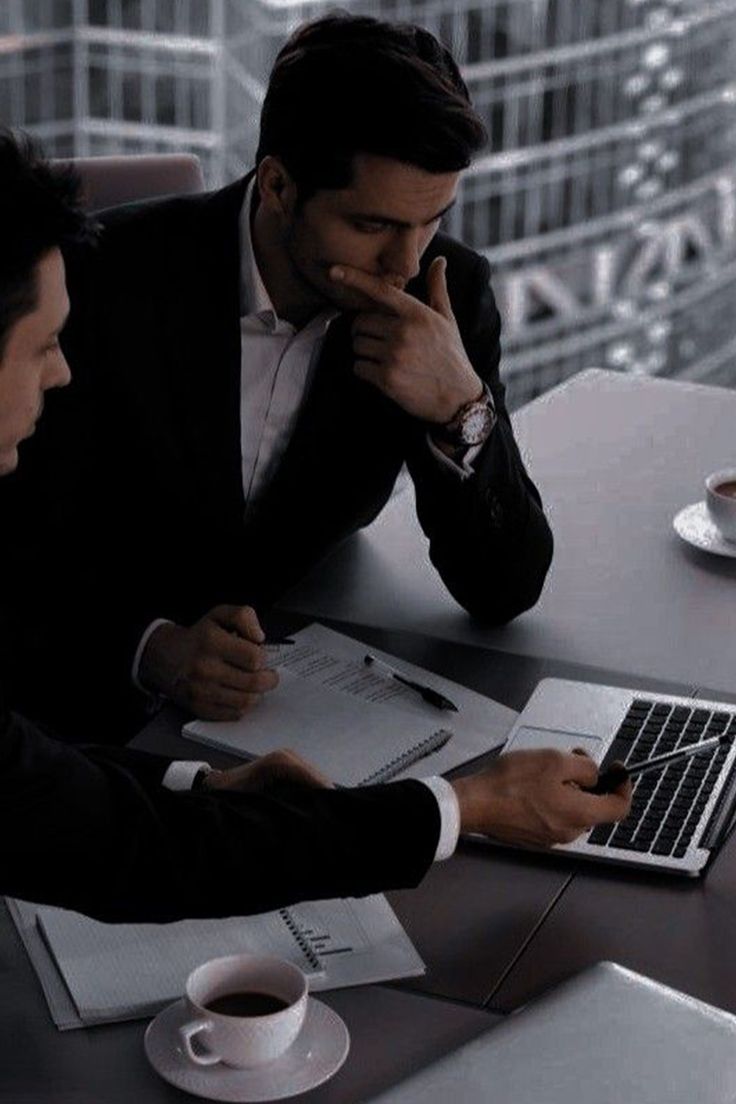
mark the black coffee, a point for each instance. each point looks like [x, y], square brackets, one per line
[728, 489]
[247, 1004]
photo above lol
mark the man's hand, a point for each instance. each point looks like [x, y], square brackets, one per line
[411, 352]
[535, 799]
[278, 768]
[216, 668]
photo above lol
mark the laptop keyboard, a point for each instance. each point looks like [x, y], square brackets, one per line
[667, 804]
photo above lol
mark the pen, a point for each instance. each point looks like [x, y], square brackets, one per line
[274, 642]
[426, 692]
[613, 776]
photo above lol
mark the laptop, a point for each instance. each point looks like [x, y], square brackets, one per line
[679, 814]
[607, 1036]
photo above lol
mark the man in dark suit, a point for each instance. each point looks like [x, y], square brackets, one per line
[254, 366]
[96, 828]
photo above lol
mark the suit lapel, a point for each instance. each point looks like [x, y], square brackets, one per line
[205, 383]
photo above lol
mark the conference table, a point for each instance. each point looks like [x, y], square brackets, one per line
[495, 927]
[615, 458]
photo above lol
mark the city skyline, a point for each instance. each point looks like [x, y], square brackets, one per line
[604, 203]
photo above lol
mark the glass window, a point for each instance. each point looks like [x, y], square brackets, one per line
[98, 92]
[97, 12]
[200, 105]
[131, 14]
[132, 100]
[165, 100]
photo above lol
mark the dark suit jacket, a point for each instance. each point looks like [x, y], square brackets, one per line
[92, 829]
[134, 480]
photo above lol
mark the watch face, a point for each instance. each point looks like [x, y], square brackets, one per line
[476, 425]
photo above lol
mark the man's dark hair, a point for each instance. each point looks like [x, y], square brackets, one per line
[347, 84]
[39, 210]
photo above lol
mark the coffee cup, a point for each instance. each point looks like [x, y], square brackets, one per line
[246, 1010]
[720, 497]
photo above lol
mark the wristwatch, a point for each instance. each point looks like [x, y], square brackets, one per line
[471, 425]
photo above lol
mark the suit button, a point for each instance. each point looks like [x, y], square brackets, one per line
[495, 509]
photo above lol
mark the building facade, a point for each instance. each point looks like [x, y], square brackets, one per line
[605, 203]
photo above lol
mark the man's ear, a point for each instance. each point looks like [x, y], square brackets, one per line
[276, 187]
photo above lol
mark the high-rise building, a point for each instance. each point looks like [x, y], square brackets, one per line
[605, 203]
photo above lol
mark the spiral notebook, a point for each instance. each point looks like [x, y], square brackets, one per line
[94, 973]
[356, 726]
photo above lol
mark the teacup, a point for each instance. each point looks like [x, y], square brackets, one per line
[246, 1010]
[720, 497]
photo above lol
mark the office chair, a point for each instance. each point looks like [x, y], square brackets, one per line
[109, 181]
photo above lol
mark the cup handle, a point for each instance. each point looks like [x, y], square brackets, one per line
[187, 1032]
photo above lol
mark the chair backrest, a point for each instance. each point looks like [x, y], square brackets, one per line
[109, 181]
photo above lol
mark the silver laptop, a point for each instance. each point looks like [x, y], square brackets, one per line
[607, 1036]
[679, 814]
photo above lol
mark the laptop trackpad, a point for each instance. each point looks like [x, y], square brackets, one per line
[533, 738]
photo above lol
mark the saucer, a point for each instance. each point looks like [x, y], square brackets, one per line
[319, 1050]
[694, 525]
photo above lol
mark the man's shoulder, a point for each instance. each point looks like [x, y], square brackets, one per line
[147, 223]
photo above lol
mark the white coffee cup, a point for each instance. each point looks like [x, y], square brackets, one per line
[722, 507]
[238, 1040]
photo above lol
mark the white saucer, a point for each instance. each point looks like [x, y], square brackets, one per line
[320, 1049]
[694, 525]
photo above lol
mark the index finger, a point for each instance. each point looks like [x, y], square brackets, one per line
[580, 768]
[242, 620]
[603, 808]
[237, 651]
[374, 288]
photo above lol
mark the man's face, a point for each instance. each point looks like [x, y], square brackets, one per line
[382, 223]
[32, 360]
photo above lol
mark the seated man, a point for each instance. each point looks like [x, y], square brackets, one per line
[93, 828]
[253, 367]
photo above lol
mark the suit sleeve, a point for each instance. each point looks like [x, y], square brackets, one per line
[70, 619]
[78, 829]
[488, 536]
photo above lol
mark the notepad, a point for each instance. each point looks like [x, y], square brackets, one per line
[117, 972]
[354, 724]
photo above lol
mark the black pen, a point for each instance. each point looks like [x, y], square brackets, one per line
[275, 643]
[426, 692]
[613, 776]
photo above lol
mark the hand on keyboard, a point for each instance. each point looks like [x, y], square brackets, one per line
[537, 798]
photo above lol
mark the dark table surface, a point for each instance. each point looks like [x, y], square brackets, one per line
[494, 927]
[392, 1034]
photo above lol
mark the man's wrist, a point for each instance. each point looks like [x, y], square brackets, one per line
[155, 669]
[470, 425]
[136, 672]
[473, 804]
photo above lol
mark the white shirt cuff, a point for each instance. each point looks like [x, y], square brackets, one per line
[465, 469]
[139, 652]
[449, 816]
[181, 773]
